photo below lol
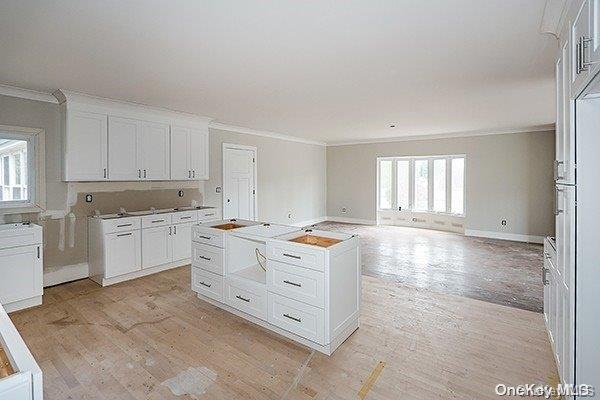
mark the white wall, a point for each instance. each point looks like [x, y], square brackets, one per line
[291, 176]
[508, 176]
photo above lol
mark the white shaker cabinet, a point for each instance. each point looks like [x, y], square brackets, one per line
[122, 253]
[123, 151]
[580, 48]
[182, 245]
[189, 153]
[154, 151]
[85, 141]
[156, 246]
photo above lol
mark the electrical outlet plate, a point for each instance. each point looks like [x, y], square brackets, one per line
[88, 198]
[180, 193]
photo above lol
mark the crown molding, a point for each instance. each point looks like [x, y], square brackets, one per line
[255, 132]
[553, 17]
[13, 91]
[450, 135]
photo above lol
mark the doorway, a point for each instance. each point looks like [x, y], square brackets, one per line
[239, 182]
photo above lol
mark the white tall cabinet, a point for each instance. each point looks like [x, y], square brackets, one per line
[105, 140]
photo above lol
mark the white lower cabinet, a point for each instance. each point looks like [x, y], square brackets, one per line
[21, 273]
[182, 245]
[122, 248]
[156, 246]
[297, 317]
[207, 283]
[123, 253]
[247, 297]
[309, 293]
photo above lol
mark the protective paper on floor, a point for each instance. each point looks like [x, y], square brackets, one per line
[193, 382]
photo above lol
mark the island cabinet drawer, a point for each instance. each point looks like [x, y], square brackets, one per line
[209, 214]
[151, 221]
[246, 297]
[296, 283]
[207, 284]
[121, 224]
[296, 317]
[208, 258]
[184, 216]
[203, 235]
[296, 255]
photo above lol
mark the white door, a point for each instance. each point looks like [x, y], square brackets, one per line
[182, 241]
[123, 151]
[199, 154]
[86, 146]
[238, 182]
[154, 146]
[180, 154]
[20, 273]
[156, 246]
[122, 253]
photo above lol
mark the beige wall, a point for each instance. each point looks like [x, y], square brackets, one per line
[508, 176]
[291, 176]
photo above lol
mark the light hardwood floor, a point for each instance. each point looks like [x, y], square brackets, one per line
[127, 341]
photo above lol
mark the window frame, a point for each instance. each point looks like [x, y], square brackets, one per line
[35, 139]
[430, 176]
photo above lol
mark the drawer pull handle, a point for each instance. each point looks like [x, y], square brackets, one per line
[205, 284]
[158, 220]
[292, 256]
[123, 225]
[292, 318]
[209, 215]
[242, 298]
[293, 283]
[205, 258]
[188, 217]
[204, 237]
[125, 234]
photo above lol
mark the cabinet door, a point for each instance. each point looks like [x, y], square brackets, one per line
[580, 48]
[180, 154]
[123, 151]
[154, 146]
[182, 241]
[156, 246]
[559, 160]
[20, 273]
[85, 146]
[565, 166]
[123, 253]
[199, 154]
[594, 48]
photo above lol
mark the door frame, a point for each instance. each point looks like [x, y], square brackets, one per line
[233, 146]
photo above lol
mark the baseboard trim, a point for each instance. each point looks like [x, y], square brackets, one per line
[515, 237]
[67, 273]
[347, 220]
[310, 222]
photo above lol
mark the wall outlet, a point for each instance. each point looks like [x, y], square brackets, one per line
[344, 210]
[88, 198]
[503, 222]
[180, 193]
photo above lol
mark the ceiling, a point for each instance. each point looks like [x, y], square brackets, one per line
[321, 70]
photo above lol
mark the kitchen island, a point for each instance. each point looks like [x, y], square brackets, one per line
[302, 284]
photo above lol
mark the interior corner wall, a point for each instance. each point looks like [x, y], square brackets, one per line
[508, 176]
[292, 176]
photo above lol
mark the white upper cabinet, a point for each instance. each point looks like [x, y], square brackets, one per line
[189, 153]
[123, 149]
[118, 141]
[594, 53]
[154, 151]
[581, 43]
[85, 145]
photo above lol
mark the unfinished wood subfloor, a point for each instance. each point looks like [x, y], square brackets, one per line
[135, 339]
